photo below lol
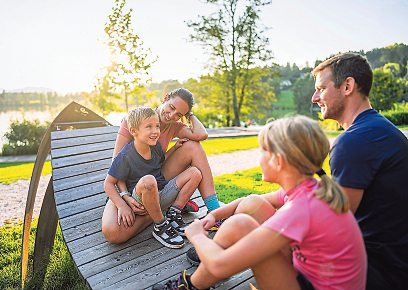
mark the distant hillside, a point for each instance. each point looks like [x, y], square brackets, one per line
[32, 90]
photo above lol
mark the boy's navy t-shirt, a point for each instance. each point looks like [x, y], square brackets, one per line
[373, 155]
[130, 166]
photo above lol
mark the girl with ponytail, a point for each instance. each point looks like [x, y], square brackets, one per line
[309, 217]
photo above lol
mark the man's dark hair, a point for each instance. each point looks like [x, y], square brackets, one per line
[346, 65]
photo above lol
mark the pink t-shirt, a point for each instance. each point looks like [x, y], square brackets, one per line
[327, 247]
[166, 135]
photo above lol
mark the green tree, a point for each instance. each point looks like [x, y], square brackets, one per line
[130, 61]
[303, 89]
[235, 41]
[24, 137]
[386, 90]
[104, 98]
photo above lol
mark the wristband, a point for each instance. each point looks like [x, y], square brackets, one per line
[123, 193]
[189, 115]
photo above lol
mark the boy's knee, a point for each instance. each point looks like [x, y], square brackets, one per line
[148, 183]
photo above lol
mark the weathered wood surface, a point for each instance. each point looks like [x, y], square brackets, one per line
[80, 160]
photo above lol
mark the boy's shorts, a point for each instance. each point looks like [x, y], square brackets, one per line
[167, 195]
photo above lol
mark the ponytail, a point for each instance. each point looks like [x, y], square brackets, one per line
[331, 193]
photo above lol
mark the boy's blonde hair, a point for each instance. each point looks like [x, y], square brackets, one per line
[137, 115]
[304, 145]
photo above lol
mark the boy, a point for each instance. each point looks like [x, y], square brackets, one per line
[137, 170]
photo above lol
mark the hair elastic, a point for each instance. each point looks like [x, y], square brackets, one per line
[321, 172]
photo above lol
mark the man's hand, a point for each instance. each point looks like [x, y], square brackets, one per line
[126, 216]
[136, 207]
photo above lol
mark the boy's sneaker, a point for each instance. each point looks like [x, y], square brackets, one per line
[167, 236]
[175, 218]
[192, 257]
[181, 283]
[190, 206]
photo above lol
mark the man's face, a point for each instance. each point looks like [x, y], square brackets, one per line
[327, 96]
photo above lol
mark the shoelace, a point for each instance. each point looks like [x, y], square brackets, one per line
[171, 231]
[175, 216]
[171, 285]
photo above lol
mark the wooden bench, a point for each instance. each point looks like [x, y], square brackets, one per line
[80, 160]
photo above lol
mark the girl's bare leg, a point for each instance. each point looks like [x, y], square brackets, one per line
[257, 207]
[275, 271]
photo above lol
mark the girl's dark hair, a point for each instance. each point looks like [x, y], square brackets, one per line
[184, 94]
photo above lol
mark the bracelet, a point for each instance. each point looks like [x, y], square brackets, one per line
[189, 116]
[123, 193]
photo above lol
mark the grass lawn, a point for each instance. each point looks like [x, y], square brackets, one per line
[11, 172]
[61, 272]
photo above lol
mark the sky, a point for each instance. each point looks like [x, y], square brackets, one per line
[59, 45]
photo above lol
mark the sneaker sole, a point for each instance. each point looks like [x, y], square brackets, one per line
[161, 241]
[192, 262]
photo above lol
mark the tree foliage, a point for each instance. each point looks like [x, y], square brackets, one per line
[387, 89]
[303, 90]
[236, 44]
[24, 137]
[130, 63]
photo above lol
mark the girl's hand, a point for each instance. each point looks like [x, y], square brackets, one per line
[208, 221]
[126, 216]
[195, 228]
[180, 142]
[136, 207]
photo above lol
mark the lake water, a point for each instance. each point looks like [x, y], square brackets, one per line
[7, 117]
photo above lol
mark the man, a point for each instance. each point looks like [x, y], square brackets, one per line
[370, 161]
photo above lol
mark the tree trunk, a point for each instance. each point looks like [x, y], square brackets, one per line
[126, 102]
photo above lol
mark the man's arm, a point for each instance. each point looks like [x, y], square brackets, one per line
[354, 195]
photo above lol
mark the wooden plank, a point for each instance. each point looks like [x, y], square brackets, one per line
[83, 132]
[86, 242]
[82, 230]
[118, 257]
[68, 171]
[245, 285]
[80, 159]
[82, 149]
[82, 218]
[81, 205]
[44, 238]
[142, 272]
[70, 142]
[235, 281]
[72, 185]
[105, 249]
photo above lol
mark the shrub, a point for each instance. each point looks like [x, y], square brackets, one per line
[398, 118]
[24, 137]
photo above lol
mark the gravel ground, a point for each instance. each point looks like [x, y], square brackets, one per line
[13, 197]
